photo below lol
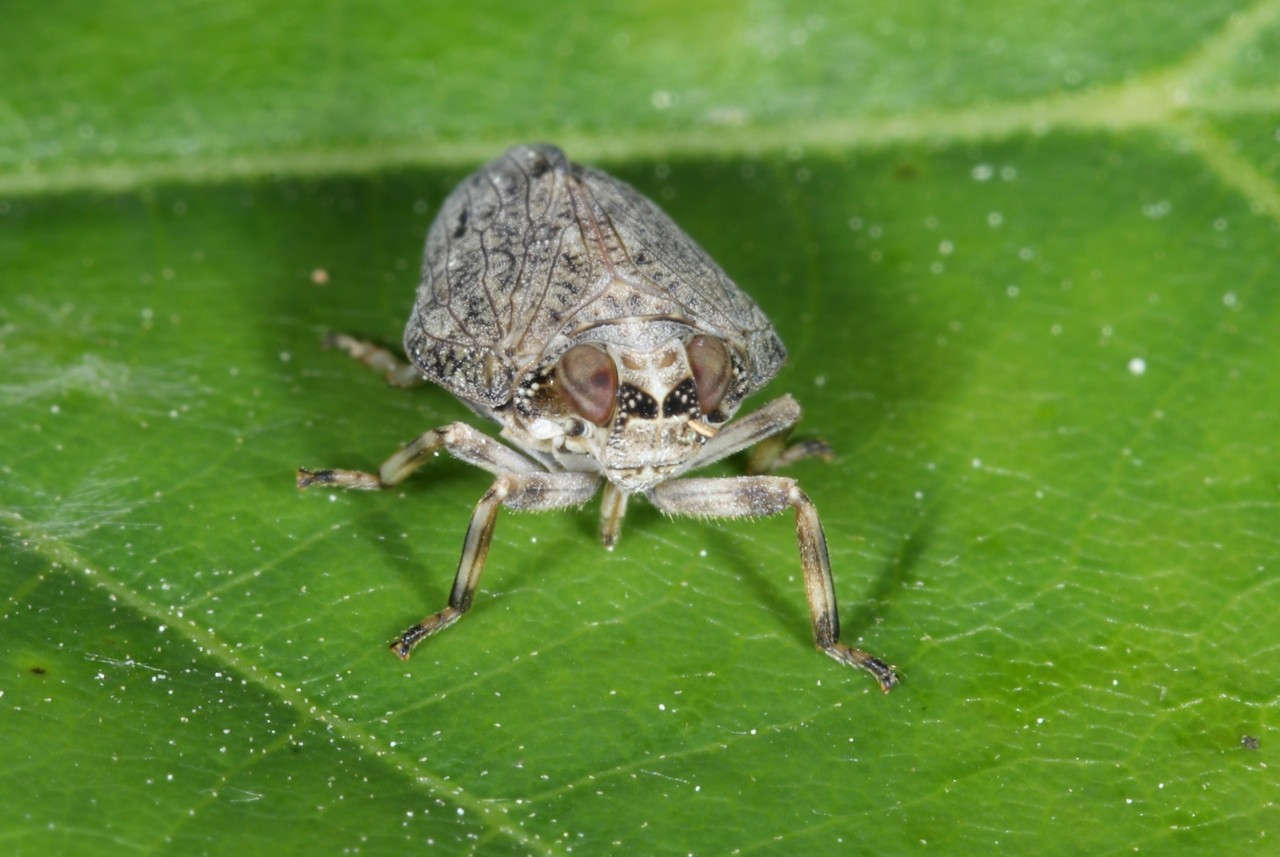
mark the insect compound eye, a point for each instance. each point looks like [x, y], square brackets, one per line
[589, 380]
[712, 370]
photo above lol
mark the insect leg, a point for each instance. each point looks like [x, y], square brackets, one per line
[397, 372]
[774, 454]
[524, 491]
[776, 417]
[768, 427]
[613, 505]
[759, 496]
[459, 439]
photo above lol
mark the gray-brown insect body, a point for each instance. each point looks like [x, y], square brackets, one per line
[566, 307]
[532, 256]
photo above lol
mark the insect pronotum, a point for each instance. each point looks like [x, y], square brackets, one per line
[561, 304]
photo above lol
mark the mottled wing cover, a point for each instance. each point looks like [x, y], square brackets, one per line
[530, 249]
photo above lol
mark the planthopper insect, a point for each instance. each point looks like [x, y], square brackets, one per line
[561, 304]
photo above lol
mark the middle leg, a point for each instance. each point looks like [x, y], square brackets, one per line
[766, 429]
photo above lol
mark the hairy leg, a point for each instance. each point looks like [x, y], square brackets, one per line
[758, 496]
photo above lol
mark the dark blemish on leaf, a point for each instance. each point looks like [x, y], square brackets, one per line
[1249, 742]
[38, 671]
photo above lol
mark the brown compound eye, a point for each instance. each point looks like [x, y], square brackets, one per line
[712, 370]
[590, 381]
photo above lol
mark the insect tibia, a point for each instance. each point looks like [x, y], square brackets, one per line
[613, 506]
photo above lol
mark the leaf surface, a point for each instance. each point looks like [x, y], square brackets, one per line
[1024, 264]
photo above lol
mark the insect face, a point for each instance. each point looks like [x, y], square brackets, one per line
[637, 415]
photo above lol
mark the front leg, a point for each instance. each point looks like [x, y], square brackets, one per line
[758, 496]
[766, 429]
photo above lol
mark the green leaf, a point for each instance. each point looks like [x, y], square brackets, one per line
[1024, 260]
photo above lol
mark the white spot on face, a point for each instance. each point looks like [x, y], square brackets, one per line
[544, 429]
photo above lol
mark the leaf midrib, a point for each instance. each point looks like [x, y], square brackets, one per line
[67, 560]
